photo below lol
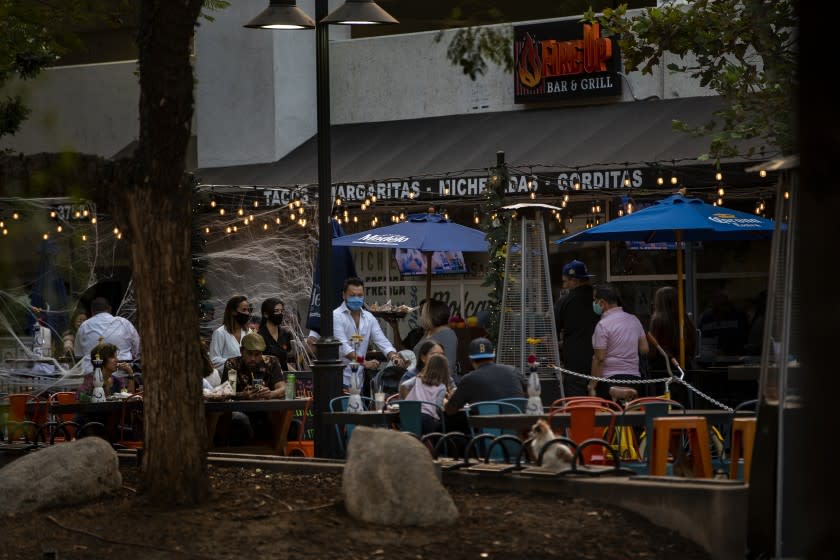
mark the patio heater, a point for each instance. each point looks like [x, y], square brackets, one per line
[527, 305]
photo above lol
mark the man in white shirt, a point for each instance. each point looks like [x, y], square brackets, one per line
[104, 326]
[351, 320]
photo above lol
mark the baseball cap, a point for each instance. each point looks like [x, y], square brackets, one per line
[481, 348]
[253, 341]
[576, 269]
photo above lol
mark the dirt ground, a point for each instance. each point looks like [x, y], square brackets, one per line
[259, 514]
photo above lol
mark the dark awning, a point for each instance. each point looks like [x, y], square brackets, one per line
[574, 137]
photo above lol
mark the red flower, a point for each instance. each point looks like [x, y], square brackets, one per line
[532, 359]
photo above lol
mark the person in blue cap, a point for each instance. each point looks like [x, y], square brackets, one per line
[575, 321]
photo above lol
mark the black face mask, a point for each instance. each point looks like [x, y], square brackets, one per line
[242, 319]
[277, 318]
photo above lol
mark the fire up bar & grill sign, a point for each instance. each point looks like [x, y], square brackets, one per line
[564, 60]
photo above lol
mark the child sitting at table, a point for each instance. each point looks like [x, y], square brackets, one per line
[431, 386]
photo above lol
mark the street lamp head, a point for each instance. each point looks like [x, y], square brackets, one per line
[282, 14]
[359, 12]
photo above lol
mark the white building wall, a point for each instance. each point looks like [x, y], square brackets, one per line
[255, 90]
[90, 108]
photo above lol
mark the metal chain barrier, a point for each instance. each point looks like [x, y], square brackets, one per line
[640, 381]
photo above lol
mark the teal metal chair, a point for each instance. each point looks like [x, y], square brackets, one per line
[343, 433]
[411, 416]
[493, 408]
[520, 402]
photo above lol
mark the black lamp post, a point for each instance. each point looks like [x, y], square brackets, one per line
[284, 14]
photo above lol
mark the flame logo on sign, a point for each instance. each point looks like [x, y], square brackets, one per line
[529, 65]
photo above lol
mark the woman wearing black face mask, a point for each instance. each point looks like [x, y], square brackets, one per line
[277, 337]
[225, 341]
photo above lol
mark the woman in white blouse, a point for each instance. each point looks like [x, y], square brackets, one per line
[225, 341]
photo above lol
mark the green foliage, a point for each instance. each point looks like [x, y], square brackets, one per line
[493, 224]
[745, 50]
[213, 6]
[34, 34]
[472, 47]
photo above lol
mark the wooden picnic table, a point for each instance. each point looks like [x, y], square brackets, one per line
[281, 412]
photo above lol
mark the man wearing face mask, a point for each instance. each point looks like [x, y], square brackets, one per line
[618, 340]
[575, 322]
[277, 337]
[226, 339]
[351, 319]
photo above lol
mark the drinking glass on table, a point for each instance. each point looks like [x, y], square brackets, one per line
[232, 379]
[379, 401]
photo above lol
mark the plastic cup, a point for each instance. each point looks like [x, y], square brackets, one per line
[379, 401]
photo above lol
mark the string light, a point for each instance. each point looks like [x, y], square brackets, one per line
[93, 220]
[762, 173]
[373, 198]
[116, 231]
[720, 191]
[240, 212]
[787, 195]
[338, 201]
[52, 213]
[476, 217]
[674, 179]
[660, 180]
[84, 237]
[15, 216]
[228, 230]
[77, 214]
[718, 176]
[221, 211]
[207, 229]
[212, 203]
[256, 203]
[46, 236]
[59, 228]
[277, 220]
[85, 213]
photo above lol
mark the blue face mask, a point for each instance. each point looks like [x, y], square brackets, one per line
[596, 307]
[354, 303]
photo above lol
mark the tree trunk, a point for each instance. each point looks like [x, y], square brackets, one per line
[155, 211]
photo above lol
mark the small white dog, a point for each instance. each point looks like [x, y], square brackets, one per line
[558, 456]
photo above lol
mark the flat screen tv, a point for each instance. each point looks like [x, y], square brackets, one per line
[412, 262]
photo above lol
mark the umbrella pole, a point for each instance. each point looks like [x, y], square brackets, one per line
[429, 276]
[680, 296]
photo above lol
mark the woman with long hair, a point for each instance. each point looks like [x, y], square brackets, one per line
[277, 338]
[225, 341]
[426, 350]
[431, 385]
[434, 318]
[665, 328]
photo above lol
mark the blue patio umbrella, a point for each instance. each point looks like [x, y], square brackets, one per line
[678, 218]
[428, 233]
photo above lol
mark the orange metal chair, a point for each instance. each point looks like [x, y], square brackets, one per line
[743, 437]
[582, 426]
[130, 428]
[62, 427]
[575, 401]
[301, 447]
[666, 435]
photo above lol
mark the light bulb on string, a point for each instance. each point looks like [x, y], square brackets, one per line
[674, 179]
[720, 191]
[93, 220]
[59, 228]
[240, 212]
[446, 190]
[660, 180]
[84, 237]
[787, 195]
[119, 235]
[338, 201]
[52, 214]
[402, 214]
[577, 185]
[221, 211]
[629, 207]
[77, 214]
[212, 203]
[235, 229]
[373, 198]
[718, 176]
[761, 205]
[720, 202]
[563, 204]
[207, 229]
[762, 173]
[291, 205]
[15, 216]
[355, 219]
[256, 203]
[566, 197]
[301, 210]
[2, 224]
[597, 206]
[46, 236]
[277, 220]
[116, 231]
[620, 212]
[571, 218]
[298, 202]
[476, 217]
[532, 195]
[292, 215]
[85, 213]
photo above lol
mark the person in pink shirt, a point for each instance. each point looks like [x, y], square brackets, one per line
[617, 342]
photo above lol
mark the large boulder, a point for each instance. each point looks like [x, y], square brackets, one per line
[64, 474]
[390, 479]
